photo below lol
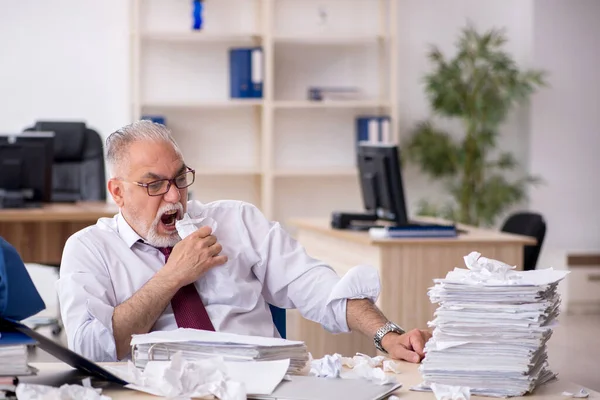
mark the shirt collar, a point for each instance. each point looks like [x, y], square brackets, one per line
[126, 231]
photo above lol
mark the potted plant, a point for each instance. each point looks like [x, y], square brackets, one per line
[478, 86]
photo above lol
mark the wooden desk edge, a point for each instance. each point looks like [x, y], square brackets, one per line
[60, 212]
[486, 236]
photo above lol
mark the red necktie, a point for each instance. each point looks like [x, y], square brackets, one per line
[187, 305]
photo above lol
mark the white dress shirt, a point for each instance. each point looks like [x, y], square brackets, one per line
[105, 264]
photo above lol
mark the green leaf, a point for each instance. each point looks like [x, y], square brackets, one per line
[497, 195]
[433, 150]
[506, 161]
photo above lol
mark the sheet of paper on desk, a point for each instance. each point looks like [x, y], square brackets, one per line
[195, 335]
[313, 388]
[204, 378]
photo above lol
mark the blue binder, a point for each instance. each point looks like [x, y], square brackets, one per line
[365, 126]
[246, 73]
[15, 338]
[374, 129]
[158, 119]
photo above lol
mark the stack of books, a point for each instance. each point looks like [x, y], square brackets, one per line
[14, 355]
[491, 328]
[197, 345]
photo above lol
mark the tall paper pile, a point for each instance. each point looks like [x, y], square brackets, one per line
[491, 328]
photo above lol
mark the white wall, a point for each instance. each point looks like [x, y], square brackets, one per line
[426, 22]
[64, 59]
[565, 126]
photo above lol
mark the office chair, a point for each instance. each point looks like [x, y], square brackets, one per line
[279, 319]
[19, 298]
[77, 175]
[528, 224]
[78, 169]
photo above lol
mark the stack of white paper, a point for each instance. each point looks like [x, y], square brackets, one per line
[13, 361]
[14, 354]
[491, 328]
[198, 345]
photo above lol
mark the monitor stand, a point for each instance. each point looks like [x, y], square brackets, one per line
[365, 221]
[354, 221]
[16, 199]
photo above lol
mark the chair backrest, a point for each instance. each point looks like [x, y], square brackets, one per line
[529, 224]
[279, 319]
[78, 169]
[19, 299]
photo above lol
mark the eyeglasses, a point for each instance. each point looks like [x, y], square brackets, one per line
[162, 186]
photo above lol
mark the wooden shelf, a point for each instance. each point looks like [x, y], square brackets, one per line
[330, 40]
[298, 104]
[172, 68]
[199, 37]
[324, 171]
[234, 103]
[225, 171]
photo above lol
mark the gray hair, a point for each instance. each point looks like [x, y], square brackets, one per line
[118, 141]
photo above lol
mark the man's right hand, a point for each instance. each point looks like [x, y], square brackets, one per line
[192, 257]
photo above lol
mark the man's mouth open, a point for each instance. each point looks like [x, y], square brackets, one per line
[169, 218]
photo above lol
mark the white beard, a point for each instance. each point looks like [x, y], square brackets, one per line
[153, 238]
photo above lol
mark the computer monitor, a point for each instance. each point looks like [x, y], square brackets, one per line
[26, 169]
[381, 182]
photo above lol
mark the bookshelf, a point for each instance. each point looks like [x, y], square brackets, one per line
[290, 156]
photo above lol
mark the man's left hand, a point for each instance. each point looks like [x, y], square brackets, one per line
[408, 347]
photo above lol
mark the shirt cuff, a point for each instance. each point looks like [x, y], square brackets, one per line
[360, 282]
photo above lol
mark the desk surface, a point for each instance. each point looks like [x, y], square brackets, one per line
[58, 212]
[408, 377]
[472, 235]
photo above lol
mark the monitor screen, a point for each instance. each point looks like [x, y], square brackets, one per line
[26, 164]
[381, 182]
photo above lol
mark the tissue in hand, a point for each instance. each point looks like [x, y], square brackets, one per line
[186, 226]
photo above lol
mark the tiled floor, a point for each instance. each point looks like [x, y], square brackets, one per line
[574, 350]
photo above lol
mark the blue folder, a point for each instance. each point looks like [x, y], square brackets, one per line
[246, 72]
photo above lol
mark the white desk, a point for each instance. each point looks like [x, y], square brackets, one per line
[409, 377]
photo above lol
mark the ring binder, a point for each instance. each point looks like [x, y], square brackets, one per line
[151, 351]
[198, 345]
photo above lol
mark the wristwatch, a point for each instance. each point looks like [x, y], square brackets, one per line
[381, 332]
